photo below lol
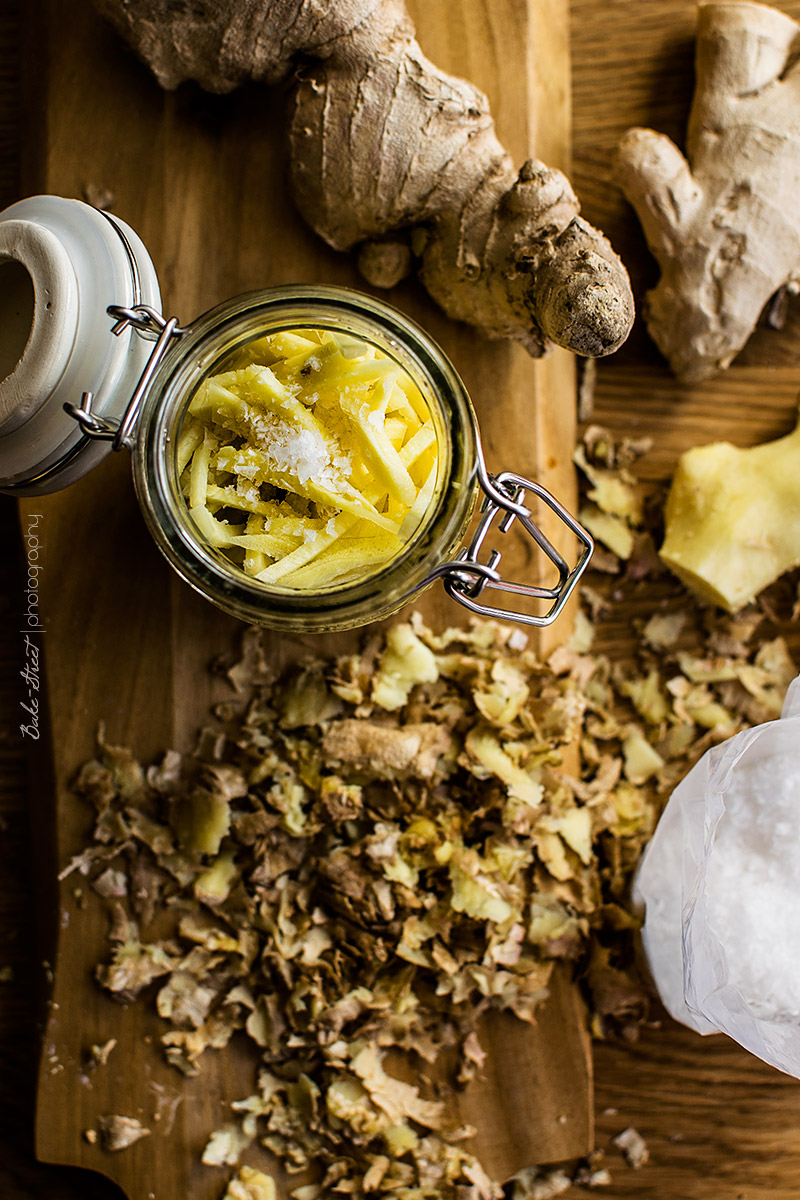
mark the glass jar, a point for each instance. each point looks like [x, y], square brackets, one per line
[139, 397]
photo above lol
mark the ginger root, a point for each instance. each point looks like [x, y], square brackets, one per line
[723, 225]
[733, 519]
[383, 141]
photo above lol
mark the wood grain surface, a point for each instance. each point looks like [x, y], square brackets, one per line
[201, 179]
[719, 1124]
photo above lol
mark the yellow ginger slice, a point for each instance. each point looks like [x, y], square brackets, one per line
[396, 430]
[422, 440]
[255, 558]
[420, 506]
[732, 519]
[273, 544]
[217, 533]
[347, 559]
[287, 342]
[308, 551]
[365, 406]
[283, 437]
[413, 397]
[398, 403]
[191, 436]
[198, 476]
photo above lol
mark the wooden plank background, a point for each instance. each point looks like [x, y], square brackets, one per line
[718, 1123]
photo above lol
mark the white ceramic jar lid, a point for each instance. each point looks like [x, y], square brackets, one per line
[62, 264]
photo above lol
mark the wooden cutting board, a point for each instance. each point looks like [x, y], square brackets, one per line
[202, 179]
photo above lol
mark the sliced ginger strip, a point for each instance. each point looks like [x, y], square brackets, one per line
[198, 475]
[308, 551]
[347, 557]
[422, 439]
[218, 533]
[190, 438]
[255, 560]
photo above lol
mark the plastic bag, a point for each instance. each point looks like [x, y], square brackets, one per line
[720, 881]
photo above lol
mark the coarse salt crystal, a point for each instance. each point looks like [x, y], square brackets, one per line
[300, 451]
[245, 468]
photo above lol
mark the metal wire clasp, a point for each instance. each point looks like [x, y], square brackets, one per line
[152, 326]
[466, 577]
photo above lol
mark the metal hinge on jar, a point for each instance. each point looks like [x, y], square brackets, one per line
[150, 325]
[466, 578]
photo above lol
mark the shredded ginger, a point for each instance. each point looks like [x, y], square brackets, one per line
[308, 460]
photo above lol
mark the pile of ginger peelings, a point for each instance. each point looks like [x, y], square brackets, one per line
[364, 856]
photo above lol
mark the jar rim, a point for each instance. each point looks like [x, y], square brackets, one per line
[210, 339]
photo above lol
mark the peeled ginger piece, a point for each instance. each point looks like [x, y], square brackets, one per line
[733, 519]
